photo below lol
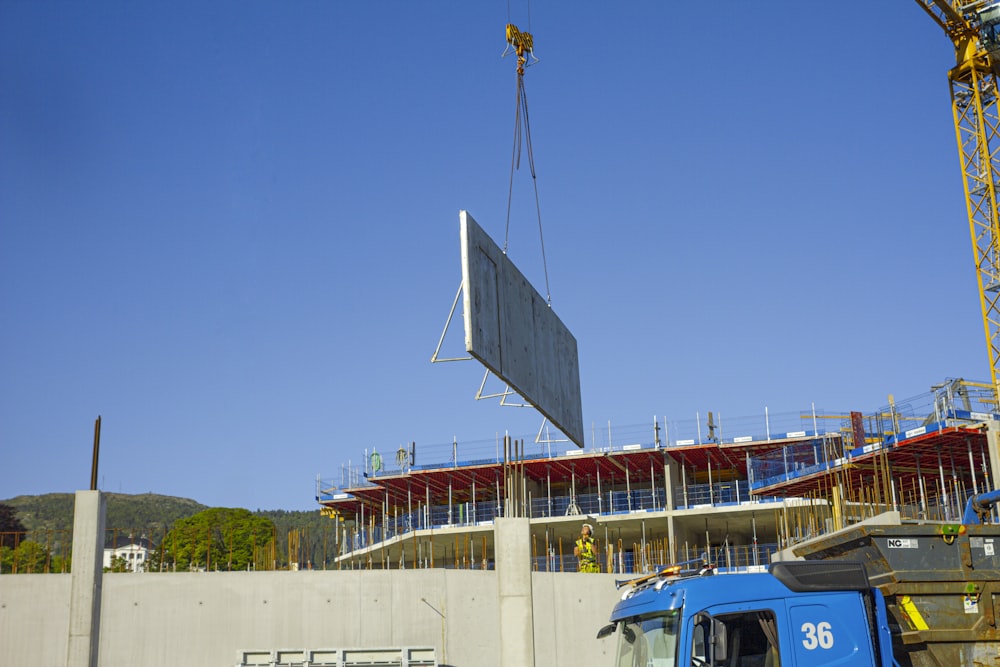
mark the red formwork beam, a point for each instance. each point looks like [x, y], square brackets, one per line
[903, 459]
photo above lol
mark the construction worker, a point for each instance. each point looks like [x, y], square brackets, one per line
[586, 550]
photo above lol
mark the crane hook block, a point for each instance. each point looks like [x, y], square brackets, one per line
[521, 41]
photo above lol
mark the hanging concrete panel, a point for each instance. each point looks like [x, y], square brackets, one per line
[511, 329]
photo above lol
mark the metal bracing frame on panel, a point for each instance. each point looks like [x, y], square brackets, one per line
[548, 439]
[480, 393]
[502, 395]
[436, 358]
[451, 314]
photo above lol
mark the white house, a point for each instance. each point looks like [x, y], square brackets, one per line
[133, 550]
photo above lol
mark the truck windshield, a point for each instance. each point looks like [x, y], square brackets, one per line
[649, 641]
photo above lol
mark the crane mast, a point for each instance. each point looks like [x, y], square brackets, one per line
[974, 30]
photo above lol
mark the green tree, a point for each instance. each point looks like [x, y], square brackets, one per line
[219, 538]
[317, 536]
[11, 528]
[28, 558]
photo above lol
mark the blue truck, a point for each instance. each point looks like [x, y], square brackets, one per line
[903, 594]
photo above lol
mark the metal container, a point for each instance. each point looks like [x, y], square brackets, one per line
[941, 584]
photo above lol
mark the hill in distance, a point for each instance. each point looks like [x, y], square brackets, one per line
[149, 513]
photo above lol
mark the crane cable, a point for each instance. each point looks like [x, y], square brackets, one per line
[523, 45]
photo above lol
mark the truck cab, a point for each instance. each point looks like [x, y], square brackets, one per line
[797, 614]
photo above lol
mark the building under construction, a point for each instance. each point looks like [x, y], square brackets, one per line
[730, 492]
[670, 493]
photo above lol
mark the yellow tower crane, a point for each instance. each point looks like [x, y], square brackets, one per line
[974, 29]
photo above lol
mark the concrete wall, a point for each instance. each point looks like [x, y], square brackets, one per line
[569, 609]
[161, 619]
[34, 619]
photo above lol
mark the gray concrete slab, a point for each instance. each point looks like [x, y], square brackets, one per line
[514, 332]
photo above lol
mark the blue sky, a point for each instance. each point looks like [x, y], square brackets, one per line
[231, 228]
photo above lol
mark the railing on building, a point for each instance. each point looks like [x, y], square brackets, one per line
[659, 434]
[954, 403]
[644, 558]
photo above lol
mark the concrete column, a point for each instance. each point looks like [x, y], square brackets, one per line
[85, 583]
[512, 538]
[671, 480]
[993, 445]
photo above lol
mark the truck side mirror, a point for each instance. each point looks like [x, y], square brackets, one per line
[720, 642]
[711, 641]
[606, 630]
